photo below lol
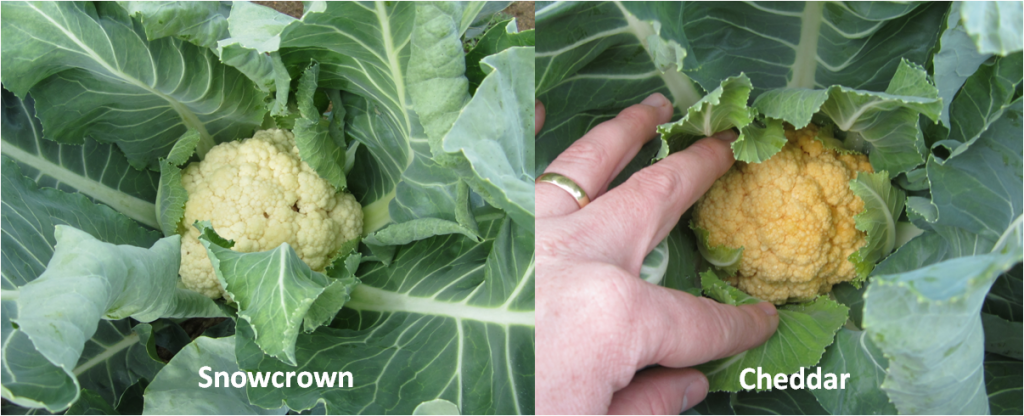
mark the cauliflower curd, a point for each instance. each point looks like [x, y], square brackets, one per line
[259, 193]
[793, 216]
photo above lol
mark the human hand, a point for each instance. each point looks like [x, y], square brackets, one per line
[598, 323]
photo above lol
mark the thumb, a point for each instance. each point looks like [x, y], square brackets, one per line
[660, 391]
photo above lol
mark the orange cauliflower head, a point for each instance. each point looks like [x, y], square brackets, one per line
[793, 217]
[259, 193]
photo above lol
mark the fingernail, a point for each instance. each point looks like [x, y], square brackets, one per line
[767, 308]
[655, 100]
[694, 393]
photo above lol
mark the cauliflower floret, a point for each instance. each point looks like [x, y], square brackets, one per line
[259, 193]
[792, 214]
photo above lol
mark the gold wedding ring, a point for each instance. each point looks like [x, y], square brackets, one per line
[568, 185]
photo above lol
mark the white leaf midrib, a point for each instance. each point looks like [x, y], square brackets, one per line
[805, 64]
[368, 298]
[138, 209]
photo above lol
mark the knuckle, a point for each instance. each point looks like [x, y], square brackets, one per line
[637, 118]
[658, 182]
[585, 153]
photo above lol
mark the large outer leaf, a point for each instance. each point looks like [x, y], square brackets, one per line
[95, 75]
[980, 190]
[808, 45]
[853, 353]
[956, 59]
[29, 216]
[200, 22]
[994, 25]
[939, 280]
[936, 349]
[450, 318]
[494, 135]
[805, 330]
[100, 171]
[593, 61]
[176, 390]
[1003, 381]
[983, 99]
[437, 69]
[274, 290]
[88, 280]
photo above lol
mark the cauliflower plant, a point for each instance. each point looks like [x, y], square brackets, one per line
[793, 215]
[259, 193]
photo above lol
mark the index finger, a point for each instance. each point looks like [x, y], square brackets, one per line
[648, 205]
[710, 330]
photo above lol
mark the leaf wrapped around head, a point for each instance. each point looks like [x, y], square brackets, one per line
[883, 204]
[722, 257]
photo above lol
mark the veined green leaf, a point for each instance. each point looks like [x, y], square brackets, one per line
[172, 196]
[437, 69]
[795, 106]
[316, 146]
[497, 39]
[594, 60]
[465, 318]
[1003, 382]
[364, 50]
[683, 261]
[176, 390]
[85, 85]
[989, 172]
[100, 171]
[985, 96]
[883, 205]
[956, 59]
[90, 403]
[722, 109]
[756, 144]
[477, 14]
[853, 353]
[994, 25]
[1002, 337]
[1006, 299]
[941, 324]
[493, 135]
[200, 22]
[805, 329]
[252, 48]
[29, 216]
[274, 290]
[88, 280]
[808, 45]
[884, 125]
[786, 402]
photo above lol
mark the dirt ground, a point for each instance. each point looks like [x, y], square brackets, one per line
[522, 10]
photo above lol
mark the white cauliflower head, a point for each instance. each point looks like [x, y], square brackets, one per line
[259, 193]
